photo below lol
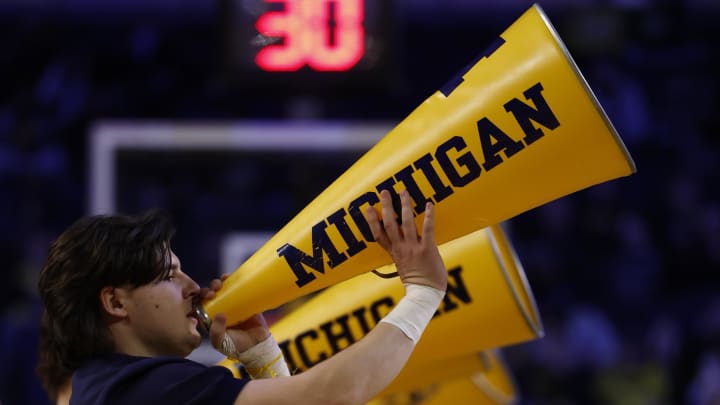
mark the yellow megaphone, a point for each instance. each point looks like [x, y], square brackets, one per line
[478, 379]
[474, 390]
[519, 128]
[488, 304]
[486, 368]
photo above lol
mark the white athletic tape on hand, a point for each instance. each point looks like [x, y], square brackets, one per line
[264, 360]
[415, 310]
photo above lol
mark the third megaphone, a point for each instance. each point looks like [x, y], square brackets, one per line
[482, 378]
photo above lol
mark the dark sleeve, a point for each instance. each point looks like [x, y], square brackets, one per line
[182, 382]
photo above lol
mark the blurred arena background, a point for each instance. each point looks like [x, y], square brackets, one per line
[626, 274]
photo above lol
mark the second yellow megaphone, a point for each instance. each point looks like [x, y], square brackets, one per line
[488, 304]
[519, 128]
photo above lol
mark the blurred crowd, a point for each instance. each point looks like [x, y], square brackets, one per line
[626, 274]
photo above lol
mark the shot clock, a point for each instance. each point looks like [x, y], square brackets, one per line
[324, 35]
[309, 44]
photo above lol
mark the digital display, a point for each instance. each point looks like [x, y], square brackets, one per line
[311, 44]
[325, 35]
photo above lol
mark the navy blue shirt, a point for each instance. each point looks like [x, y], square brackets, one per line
[123, 379]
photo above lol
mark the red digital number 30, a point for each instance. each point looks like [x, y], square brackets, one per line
[305, 27]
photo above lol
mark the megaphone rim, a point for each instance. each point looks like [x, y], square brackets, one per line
[497, 236]
[480, 380]
[581, 78]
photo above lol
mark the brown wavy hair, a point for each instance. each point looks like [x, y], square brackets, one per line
[94, 252]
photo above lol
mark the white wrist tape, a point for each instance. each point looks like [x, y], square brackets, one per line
[415, 310]
[264, 360]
